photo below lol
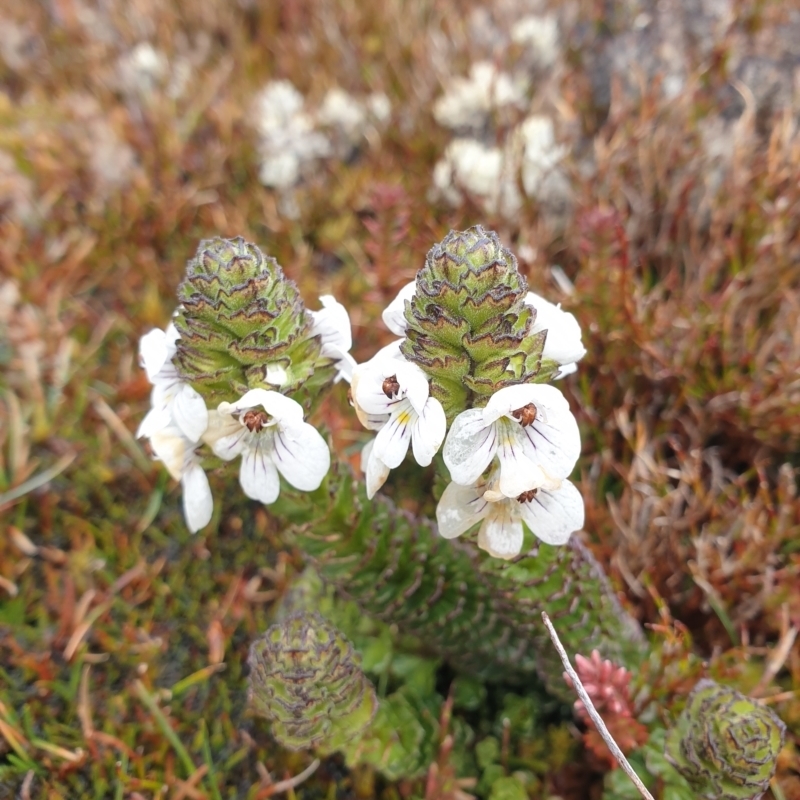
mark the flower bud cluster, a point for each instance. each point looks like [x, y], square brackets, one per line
[477, 355]
[725, 744]
[306, 677]
[236, 370]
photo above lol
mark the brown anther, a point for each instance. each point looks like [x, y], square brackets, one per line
[526, 415]
[390, 386]
[255, 420]
[526, 497]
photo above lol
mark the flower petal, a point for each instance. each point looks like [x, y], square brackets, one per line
[427, 434]
[563, 343]
[501, 534]
[460, 507]
[413, 384]
[301, 455]
[469, 447]
[198, 504]
[283, 408]
[393, 439]
[170, 446]
[394, 314]
[155, 420]
[518, 473]
[553, 440]
[190, 413]
[258, 476]
[332, 325]
[509, 399]
[375, 471]
[554, 514]
[154, 351]
[229, 446]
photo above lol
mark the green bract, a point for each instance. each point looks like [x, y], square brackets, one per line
[725, 744]
[243, 325]
[469, 328]
[306, 677]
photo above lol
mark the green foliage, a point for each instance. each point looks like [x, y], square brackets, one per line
[469, 328]
[725, 744]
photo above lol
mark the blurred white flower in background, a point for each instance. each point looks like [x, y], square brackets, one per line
[540, 35]
[486, 173]
[469, 102]
[288, 140]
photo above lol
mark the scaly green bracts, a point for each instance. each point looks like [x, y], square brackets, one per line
[306, 678]
[469, 328]
[243, 325]
[725, 744]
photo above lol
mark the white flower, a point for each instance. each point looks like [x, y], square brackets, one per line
[552, 512]
[175, 423]
[332, 325]
[267, 430]
[531, 430]
[563, 344]
[540, 34]
[394, 314]
[172, 401]
[392, 396]
[468, 102]
[178, 455]
[541, 155]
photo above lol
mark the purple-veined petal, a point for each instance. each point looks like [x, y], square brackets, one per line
[301, 455]
[460, 507]
[393, 439]
[518, 473]
[501, 534]
[427, 434]
[554, 514]
[258, 476]
[394, 314]
[553, 440]
[231, 445]
[198, 504]
[282, 408]
[469, 447]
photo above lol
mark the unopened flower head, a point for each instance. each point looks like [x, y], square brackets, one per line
[467, 323]
[243, 326]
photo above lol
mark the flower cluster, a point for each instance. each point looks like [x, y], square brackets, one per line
[236, 371]
[476, 350]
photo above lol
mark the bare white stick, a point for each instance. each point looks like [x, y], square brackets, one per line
[592, 711]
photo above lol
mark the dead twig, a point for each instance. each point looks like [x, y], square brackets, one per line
[592, 711]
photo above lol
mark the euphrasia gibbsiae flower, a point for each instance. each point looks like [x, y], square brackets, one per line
[391, 396]
[237, 370]
[488, 349]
